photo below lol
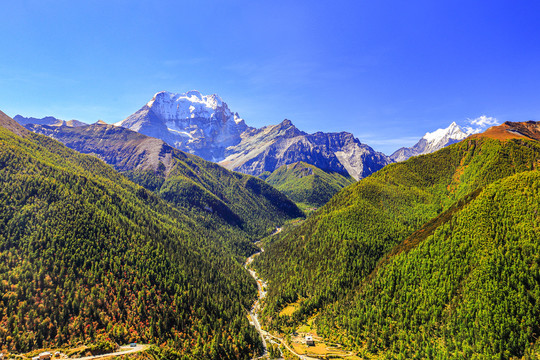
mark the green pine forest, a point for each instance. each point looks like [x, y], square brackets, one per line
[469, 290]
[307, 185]
[86, 256]
[431, 258]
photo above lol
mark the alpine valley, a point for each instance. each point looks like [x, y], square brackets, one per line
[152, 231]
[432, 258]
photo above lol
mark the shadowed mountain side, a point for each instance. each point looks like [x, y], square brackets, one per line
[181, 178]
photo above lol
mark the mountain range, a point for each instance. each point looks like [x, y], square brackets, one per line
[205, 126]
[48, 120]
[430, 253]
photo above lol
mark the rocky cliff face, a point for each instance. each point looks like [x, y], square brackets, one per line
[269, 148]
[200, 124]
[431, 142]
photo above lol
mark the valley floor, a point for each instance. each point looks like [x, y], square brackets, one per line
[295, 346]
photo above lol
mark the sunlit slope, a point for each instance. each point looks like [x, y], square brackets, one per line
[306, 184]
[468, 290]
[338, 246]
[186, 180]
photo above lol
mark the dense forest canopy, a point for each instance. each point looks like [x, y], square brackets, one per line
[183, 179]
[306, 184]
[323, 262]
[87, 255]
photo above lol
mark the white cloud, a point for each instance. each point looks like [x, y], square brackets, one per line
[480, 124]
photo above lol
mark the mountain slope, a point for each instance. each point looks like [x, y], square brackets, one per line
[273, 146]
[86, 255]
[181, 178]
[306, 184]
[337, 247]
[512, 130]
[431, 142]
[469, 288]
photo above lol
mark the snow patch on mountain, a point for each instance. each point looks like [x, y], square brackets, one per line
[200, 124]
[189, 105]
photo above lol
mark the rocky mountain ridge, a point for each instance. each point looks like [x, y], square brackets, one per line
[48, 120]
[271, 147]
[181, 178]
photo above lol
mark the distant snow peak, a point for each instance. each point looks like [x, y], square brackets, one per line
[200, 124]
[451, 132]
[431, 142]
[189, 105]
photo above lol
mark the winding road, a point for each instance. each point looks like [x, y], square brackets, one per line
[135, 349]
[253, 313]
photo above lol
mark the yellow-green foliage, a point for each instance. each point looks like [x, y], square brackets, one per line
[332, 253]
[468, 291]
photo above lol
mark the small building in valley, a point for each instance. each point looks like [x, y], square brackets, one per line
[44, 356]
[310, 341]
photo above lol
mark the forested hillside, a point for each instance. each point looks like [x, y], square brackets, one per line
[88, 256]
[306, 184]
[331, 254]
[181, 178]
[468, 290]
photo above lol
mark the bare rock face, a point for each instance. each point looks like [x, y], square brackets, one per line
[205, 126]
[273, 146]
[200, 124]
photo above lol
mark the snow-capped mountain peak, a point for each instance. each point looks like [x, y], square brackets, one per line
[201, 124]
[431, 142]
[451, 132]
[205, 126]
[189, 105]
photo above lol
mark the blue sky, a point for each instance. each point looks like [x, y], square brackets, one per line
[387, 71]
